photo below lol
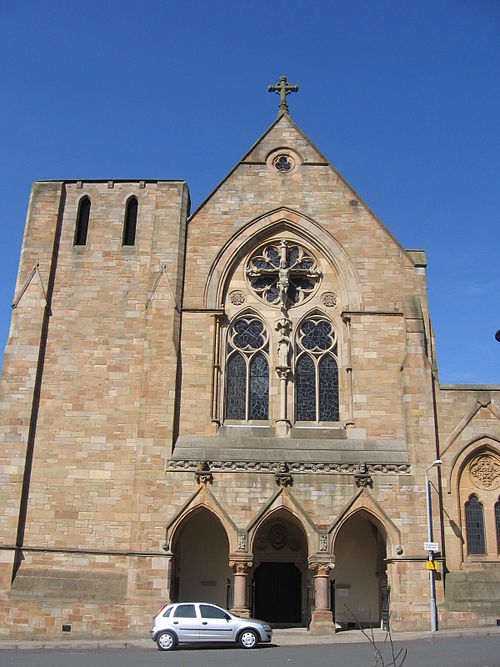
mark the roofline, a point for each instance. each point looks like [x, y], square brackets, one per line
[230, 172]
[326, 162]
[469, 387]
[113, 180]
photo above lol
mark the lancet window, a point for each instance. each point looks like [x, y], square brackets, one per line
[82, 221]
[474, 525]
[130, 223]
[316, 372]
[247, 370]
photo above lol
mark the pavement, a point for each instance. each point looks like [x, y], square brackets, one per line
[281, 637]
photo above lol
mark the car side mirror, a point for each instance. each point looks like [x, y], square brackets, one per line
[228, 618]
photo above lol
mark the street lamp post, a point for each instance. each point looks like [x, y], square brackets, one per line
[437, 462]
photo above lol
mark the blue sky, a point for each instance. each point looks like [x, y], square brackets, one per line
[402, 97]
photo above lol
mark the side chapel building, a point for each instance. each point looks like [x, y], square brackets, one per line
[240, 406]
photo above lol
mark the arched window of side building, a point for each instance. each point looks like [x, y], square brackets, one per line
[82, 221]
[130, 223]
[247, 370]
[474, 525]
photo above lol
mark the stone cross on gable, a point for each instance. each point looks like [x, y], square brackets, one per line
[283, 88]
[283, 273]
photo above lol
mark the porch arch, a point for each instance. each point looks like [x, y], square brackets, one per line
[203, 498]
[359, 583]
[281, 580]
[200, 564]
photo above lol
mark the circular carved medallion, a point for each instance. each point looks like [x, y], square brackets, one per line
[329, 299]
[237, 298]
[485, 472]
[277, 536]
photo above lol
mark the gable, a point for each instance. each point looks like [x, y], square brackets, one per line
[284, 170]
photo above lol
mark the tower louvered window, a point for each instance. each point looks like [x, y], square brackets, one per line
[130, 223]
[82, 221]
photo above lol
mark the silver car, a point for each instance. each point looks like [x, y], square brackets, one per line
[194, 622]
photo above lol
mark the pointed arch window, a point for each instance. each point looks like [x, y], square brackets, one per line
[82, 221]
[474, 525]
[316, 372]
[130, 223]
[247, 370]
[497, 522]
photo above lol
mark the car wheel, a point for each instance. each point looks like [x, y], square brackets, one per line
[248, 639]
[166, 641]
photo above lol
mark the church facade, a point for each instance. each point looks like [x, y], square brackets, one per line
[238, 406]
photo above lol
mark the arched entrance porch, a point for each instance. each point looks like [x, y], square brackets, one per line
[281, 590]
[201, 569]
[359, 579]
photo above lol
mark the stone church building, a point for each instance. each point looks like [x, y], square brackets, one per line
[238, 405]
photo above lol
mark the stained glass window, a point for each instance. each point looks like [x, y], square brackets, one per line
[328, 389]
[283, 273]
[305, 389]
[259, 387]
[236, 386]
[316, 372]
[247, 370]
[474, 524]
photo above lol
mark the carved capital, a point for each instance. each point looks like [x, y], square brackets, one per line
[321, 569]
[283, 372]
[240, 566]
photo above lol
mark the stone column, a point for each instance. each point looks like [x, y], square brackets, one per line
[348, 369]
[216, 371]
[240, 569]
[283, 370]
[322, 622]
[283, 424]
